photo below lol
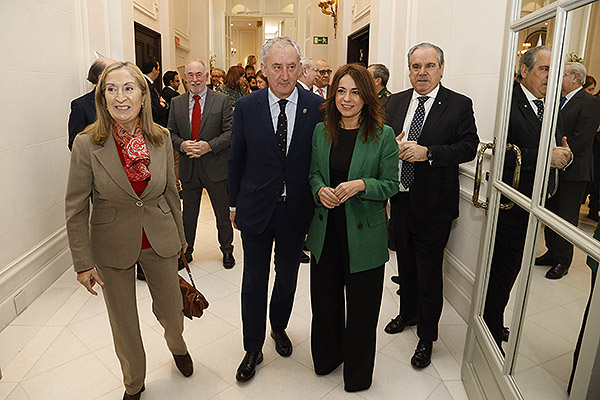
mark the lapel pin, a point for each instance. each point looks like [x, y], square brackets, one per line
[304, 111]
[525, 105]
[439, 102]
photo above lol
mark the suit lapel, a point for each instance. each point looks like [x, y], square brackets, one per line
[324, 156]
[208, 105]
[156, 167]
[109, 158]
[525, 108]
[573, 101]
[301, 111]
[403, 107]
[358, 155]
[264, 113]
[437, 109]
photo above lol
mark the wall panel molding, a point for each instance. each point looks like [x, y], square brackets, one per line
[149, 8]
[30, 275]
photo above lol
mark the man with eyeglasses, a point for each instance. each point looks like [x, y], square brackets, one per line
[322, 80]
[580, 116]
[200, 126]
[436, 132]
[216, 78]
[309, 73]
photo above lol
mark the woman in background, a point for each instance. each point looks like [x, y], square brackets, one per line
[233, 85]
[123, 162]
[354, 170]
[261, 80]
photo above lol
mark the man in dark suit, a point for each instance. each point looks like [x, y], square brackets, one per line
[83, 109]
[580, 117]
[171, 81]
[200, 126]
[524, 129]
[269, 194]
[437, 132]
[160, 112]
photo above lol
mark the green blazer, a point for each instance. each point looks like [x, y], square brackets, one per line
[376, 163]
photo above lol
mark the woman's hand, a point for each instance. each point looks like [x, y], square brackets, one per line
[88, 279]
[182, 251]
[345, 190]
[327, 197]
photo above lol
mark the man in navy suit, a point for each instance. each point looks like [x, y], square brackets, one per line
[269, 195]
[436, 132]
[83, 109]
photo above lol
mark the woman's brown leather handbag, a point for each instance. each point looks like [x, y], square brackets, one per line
[194, 302]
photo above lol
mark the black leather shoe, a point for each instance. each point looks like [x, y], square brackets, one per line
[557, 272]
[134, 396]
[398, 324]
[544, 259]
[247, 368]
[184, 364]
[395, 279]
[505, 334]
[228, 260]
[283, 344]
[422, 356]
[304, 258]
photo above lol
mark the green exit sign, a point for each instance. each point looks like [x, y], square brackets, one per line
[320, 40]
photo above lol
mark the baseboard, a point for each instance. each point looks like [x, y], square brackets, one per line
[25, 279]
[458, 284]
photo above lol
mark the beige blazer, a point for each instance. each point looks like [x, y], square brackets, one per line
[112, 235]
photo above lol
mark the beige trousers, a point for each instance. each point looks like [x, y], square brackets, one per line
[167, 305]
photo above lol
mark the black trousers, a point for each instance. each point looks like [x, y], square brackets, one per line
[344, 330]
[192, 194]
[565, 203]
[255, 280]
[506, 264]
[420, 255]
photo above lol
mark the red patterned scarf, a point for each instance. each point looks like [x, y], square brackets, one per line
[134, 150]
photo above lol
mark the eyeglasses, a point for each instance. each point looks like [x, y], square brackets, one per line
[568, 73]
[325, 71]
[314, 69]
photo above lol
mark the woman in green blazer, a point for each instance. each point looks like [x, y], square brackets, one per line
[354, 170]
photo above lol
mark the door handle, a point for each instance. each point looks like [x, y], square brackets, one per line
[479, 171]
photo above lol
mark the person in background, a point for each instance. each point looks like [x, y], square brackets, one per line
[125, 161]
[590, 85]
[261, 80]
[249, 71]
[354, 170]
[233, 85]
[160, 111]
[252, 84]
[172, 82]
[217, 75]
[381, 75]
[251, 61]
[83, 109]
[322, 81]
[309, 73]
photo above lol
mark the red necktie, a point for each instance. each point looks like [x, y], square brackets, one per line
[320, 92]
[196, 118]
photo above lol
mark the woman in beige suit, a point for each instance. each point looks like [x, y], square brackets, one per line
[123, 164]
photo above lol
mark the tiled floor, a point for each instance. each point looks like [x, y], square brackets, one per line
[60, 347]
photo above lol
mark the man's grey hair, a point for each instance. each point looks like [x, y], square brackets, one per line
[529, 59]
[218, 69]
[578, 68]
[195, 60]
[381, 71]
[96, 69]
[426, 45]
[281, 42]
[307, 62]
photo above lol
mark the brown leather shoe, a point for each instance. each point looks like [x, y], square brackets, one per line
[184, 364]
[134, 396]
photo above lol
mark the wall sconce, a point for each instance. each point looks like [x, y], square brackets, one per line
[330, 7]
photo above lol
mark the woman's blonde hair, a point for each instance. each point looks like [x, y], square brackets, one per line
[102, 128]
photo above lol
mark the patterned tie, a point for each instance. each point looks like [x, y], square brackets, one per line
[321, 93]
[282, 122]
[407, 176]
[552, 184]
[196, 118]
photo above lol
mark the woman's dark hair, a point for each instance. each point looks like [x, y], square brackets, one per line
[259, 74]
[372, 115]
[232, 78]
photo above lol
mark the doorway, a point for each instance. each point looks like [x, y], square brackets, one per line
[358, 47]
[147, 46]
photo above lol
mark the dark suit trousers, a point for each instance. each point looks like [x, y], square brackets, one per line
[420, 255]
[506, 264]
[565, 203]
[192, 194]
[344, 330]
[255, 281]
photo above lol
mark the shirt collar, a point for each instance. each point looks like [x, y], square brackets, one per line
[572, 93]
[432, 94]
[201, 94]
[150, 79]
[292, 98]
[528, 94]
